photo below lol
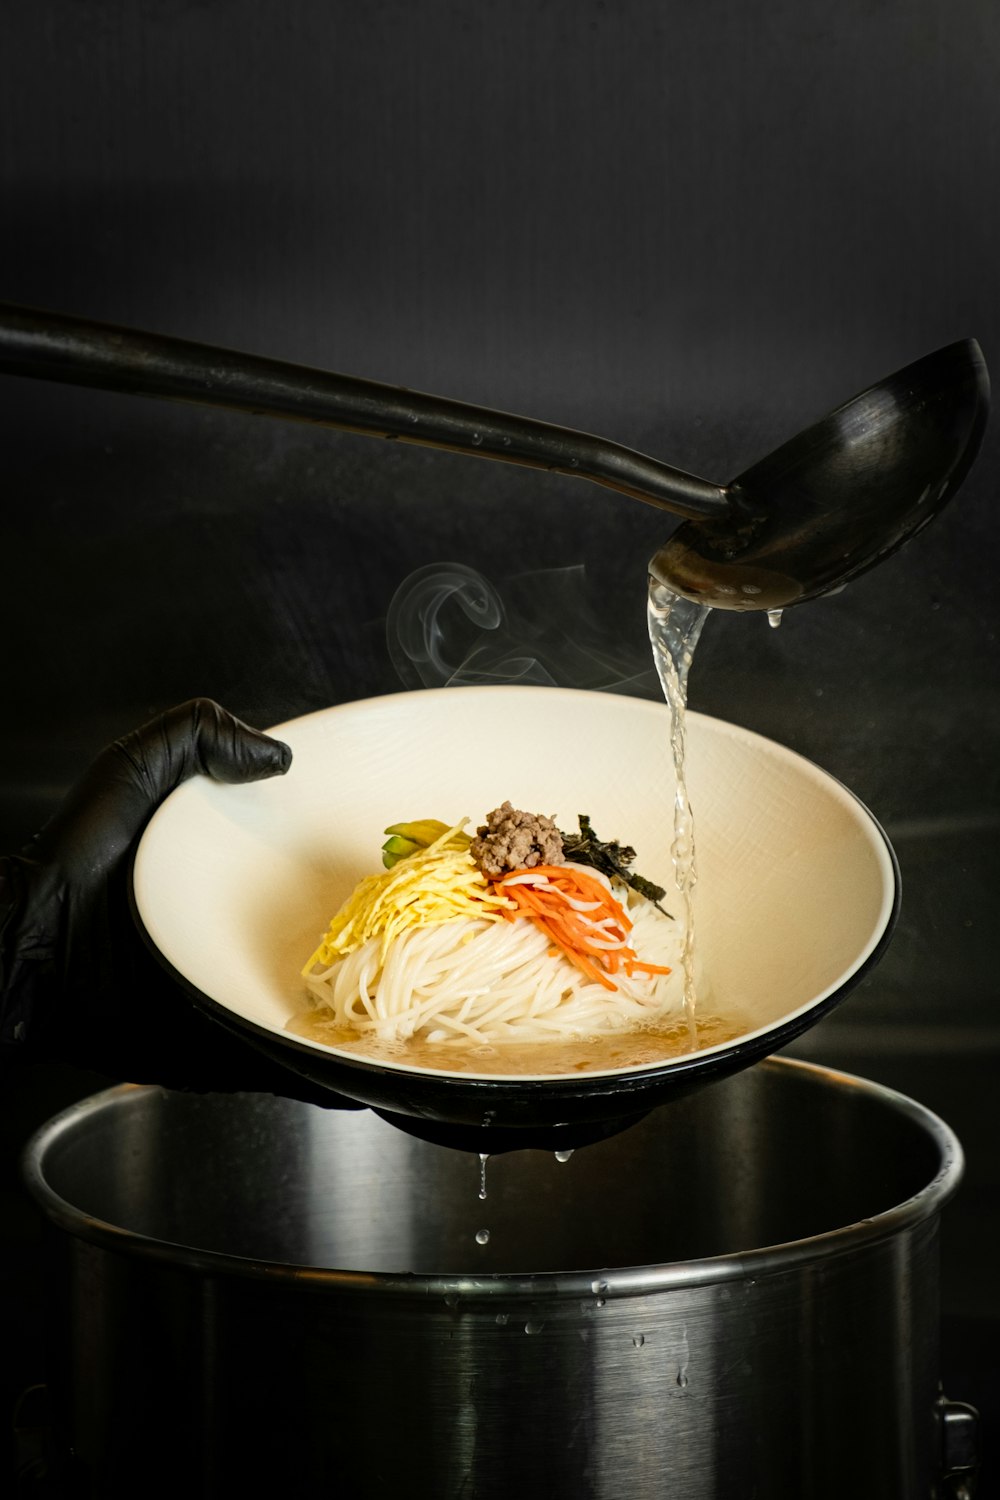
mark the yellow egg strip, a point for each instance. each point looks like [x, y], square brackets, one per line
[439, 884]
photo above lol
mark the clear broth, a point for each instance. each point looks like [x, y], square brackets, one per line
[608, 1053]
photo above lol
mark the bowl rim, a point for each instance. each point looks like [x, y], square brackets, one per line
[747, 1047]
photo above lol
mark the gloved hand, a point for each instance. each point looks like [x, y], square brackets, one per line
[77, 983]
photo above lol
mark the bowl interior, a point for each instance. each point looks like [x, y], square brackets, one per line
[235, 885]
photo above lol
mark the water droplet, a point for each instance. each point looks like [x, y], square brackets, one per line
[482, 1237]
[506, 442]
[483, 1159]
[597, 1287]
[563, 1155]
[531, 1327]
[682, 1378]
[477, 438]
[502, 1320]
[638, 1339]
[414, 417]
[774, 618]
[749, 588]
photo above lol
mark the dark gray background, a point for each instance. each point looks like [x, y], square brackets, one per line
[692, 228]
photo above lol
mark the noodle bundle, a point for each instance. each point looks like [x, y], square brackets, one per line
[433, 950]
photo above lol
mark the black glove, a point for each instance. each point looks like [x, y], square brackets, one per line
[77, 983]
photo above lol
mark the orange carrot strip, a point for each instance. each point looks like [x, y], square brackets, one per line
[584, 964]
[559, 931]
[593, 943]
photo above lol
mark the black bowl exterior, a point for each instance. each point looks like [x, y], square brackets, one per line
[493, 1115]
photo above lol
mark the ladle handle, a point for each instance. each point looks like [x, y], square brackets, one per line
[52, 346]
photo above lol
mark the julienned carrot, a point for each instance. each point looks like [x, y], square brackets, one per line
[580, 916]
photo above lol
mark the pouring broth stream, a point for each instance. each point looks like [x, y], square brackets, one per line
[675, 625]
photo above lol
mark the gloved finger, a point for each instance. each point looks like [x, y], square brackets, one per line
[109, 806]
[200, 736]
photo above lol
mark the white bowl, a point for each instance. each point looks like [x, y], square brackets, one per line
[796, 894]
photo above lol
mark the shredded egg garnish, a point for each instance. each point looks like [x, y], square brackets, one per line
[441, 883]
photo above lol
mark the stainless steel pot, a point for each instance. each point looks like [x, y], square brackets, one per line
[738, 1297]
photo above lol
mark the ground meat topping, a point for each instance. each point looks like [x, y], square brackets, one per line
[515, 840]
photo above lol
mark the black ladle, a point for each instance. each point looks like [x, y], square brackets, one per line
[821, 509]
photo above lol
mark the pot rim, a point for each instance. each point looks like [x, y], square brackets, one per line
[616, 1282]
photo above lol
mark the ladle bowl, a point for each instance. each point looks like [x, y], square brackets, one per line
[797, 893]
[820, 510]
[840, 496]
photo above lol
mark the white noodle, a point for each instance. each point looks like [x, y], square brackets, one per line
[474, 982]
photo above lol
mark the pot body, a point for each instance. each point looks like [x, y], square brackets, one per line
[738, 1297]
